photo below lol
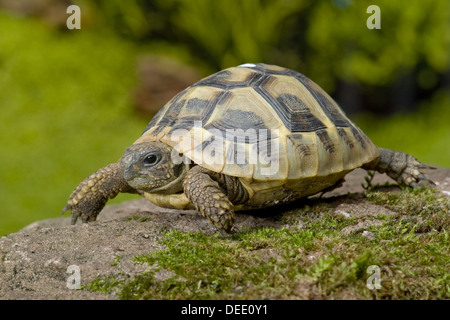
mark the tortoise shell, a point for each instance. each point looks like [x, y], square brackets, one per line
[285, 127]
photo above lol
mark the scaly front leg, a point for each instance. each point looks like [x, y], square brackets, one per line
[91, 195]
[213, 194]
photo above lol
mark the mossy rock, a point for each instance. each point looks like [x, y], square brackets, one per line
[319, 248]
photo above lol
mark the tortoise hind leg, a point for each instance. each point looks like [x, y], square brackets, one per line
[400, 166]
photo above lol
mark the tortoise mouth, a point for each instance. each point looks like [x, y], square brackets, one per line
[171, 187]
[149, 185]
[141, 183]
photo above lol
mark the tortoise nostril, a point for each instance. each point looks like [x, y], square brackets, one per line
[128, 159]
[129, 167]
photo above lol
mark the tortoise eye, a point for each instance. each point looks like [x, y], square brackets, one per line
[151, 159]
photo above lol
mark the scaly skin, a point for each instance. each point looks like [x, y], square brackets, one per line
[400, 166]
[211, 192]
[91, 195]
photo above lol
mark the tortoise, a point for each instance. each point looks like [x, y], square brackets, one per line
[246, 137]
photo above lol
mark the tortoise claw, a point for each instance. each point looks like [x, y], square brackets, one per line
[74, 213]
[422, 177]
[412, 174]
[66, 208]
[74, 219]
[426, 166]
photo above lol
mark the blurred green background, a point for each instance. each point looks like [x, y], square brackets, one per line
[72, 100]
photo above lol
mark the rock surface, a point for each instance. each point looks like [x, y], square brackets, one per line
[34, 261]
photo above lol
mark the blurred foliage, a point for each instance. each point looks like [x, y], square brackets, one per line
[424, 133]
[327, 40]
[65, 95]
[412, 33]
[65, 112]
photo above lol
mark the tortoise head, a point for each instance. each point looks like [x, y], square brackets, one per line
[150, 167]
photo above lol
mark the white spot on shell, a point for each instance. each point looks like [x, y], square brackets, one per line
[247, 65]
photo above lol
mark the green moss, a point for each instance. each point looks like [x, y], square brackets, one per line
[116, 260]
[311, 257]
[281, 239]
[423, 209]
[206, 267]
[211, 267]
[105, 284]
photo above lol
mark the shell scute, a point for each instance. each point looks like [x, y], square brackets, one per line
[245, 121]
